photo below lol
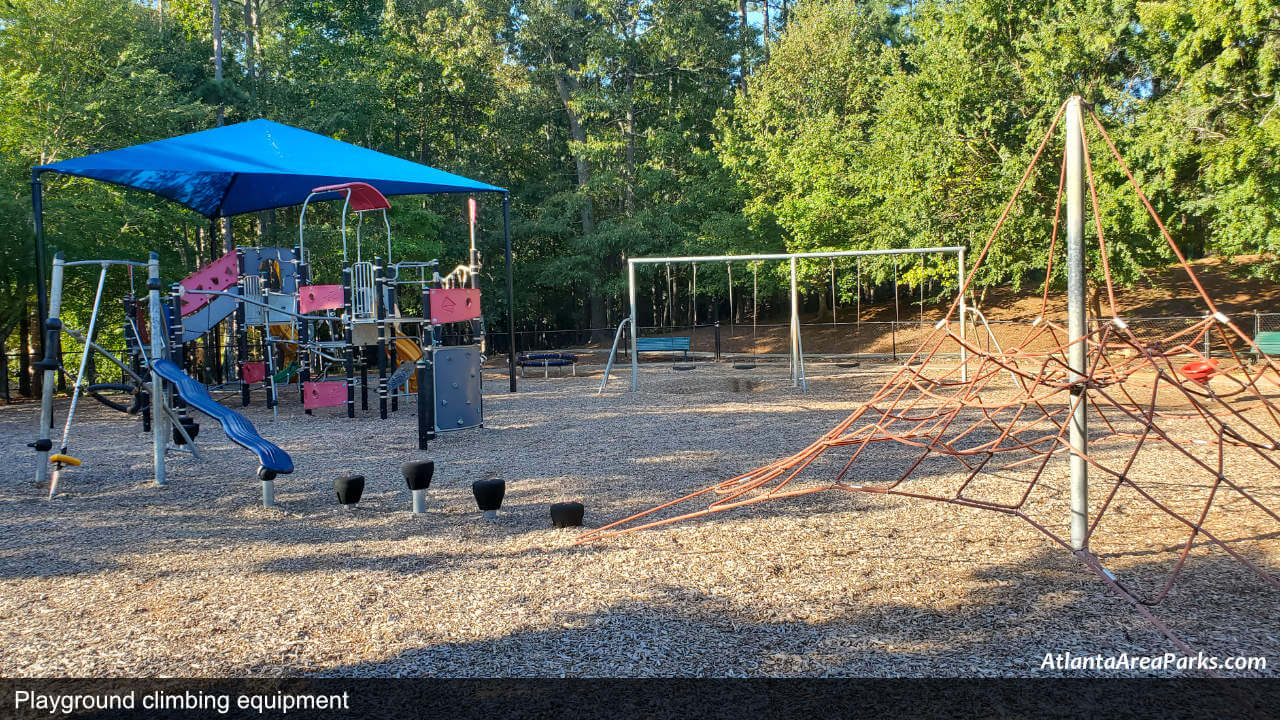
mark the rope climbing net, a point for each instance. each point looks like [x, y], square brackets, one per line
[988, 441]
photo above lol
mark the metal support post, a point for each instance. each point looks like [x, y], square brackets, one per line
[511, 293]
[795, 327]
[159, 420]
[635, 330]
[964, 309]
[49, 333]
[1077, 325]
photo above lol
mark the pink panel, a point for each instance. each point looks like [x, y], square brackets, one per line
[253, 372]
[454, 305]
[218, 275]
[319, 297]
[324, 394]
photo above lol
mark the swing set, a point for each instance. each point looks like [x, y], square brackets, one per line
[795, 341]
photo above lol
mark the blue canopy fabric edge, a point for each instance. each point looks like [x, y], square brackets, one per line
[257, 165]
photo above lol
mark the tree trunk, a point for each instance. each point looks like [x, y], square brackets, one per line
[598, 320]
[217, 54]
[629, 189]
[4, 382]
[565, 85]
[250, 42]
[227, 243]
[764, 7]
[253, 68]
[24, 354]
[746, 54]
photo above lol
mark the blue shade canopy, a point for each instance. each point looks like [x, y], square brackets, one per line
[257, 165]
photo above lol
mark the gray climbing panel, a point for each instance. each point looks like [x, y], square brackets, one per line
[459, 402]
[287, 303]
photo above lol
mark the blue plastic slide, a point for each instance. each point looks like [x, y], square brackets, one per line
[236, 426]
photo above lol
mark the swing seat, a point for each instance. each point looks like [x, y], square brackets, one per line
[59, 458]
[744, 366]
[1200, 371]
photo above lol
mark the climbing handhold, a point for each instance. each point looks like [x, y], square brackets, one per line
[64, 460]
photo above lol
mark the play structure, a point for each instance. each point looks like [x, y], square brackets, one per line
[795, 351]
[994, 431]
[168, 391]
[256, 316]
[290, 329]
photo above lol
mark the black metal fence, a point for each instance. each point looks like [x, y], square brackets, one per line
[878, 339]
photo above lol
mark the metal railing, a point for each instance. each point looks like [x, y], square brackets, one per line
[362, 291]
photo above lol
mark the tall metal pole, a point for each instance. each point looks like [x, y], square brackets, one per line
[834, 323]
[159, 421]
[693, 296]
[37, 214]
[635, 329]
[732, 320]
[964, 309]
[511, 291]
[52, 331]
[795, 327]
[1077, 326]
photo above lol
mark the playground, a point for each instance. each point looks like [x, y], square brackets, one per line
[956, 502]
[123, 577]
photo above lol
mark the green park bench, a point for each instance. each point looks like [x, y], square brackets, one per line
[664, 344]
[1268, 342]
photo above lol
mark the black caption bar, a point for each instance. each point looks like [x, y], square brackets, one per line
[507, 699]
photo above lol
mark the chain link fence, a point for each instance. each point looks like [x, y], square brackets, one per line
[1265, 322]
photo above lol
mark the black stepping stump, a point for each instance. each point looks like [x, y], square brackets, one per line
[489, 494]
[567, 514]
[417, 474]
[349, 489]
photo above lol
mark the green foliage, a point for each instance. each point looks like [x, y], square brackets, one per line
[623, 128]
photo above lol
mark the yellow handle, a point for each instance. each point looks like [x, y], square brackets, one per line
[64, 459]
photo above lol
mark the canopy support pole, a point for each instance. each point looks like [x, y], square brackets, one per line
[511, 291]
[159, 398]
[37, 214]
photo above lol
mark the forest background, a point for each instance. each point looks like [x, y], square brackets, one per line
[646, 127]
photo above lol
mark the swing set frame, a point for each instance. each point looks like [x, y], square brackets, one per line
[796, 346]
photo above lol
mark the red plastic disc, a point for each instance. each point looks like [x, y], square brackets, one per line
[1199, 370]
